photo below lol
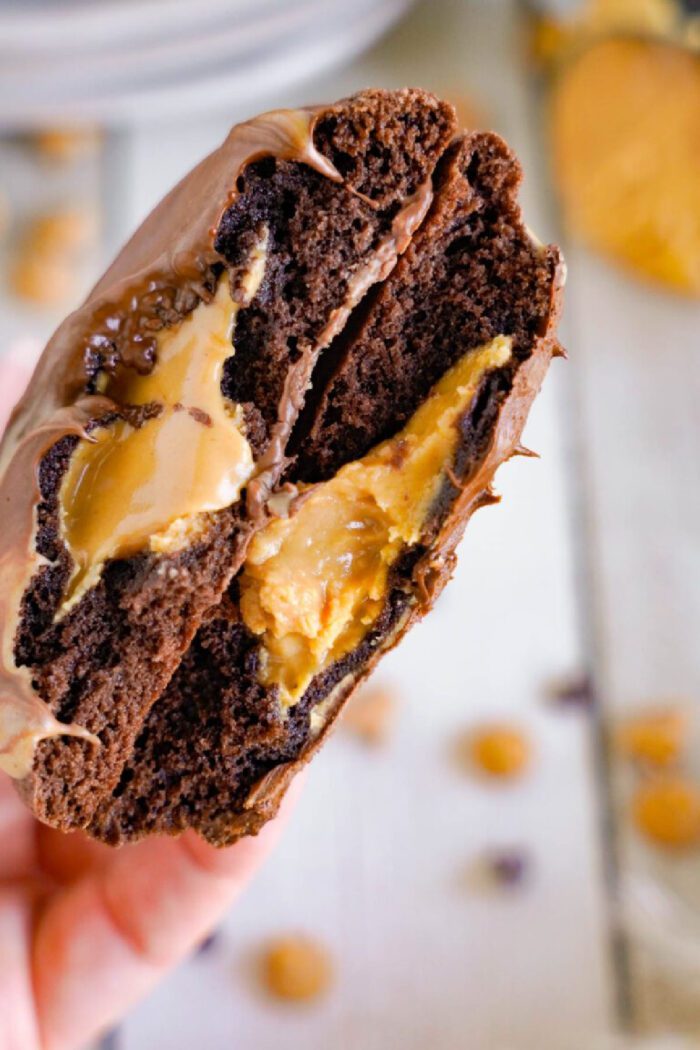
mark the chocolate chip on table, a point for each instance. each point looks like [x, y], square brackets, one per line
[576, 691]
[209, 942]
[110, 1040]
[508, 867]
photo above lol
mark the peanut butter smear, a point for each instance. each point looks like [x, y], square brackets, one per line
[137, 488]
[314, 583]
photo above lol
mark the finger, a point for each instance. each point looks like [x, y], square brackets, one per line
[17, 845]
[69, 856]
[17, 1018]
[106, 940]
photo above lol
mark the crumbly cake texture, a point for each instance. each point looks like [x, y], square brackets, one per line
[336, 350]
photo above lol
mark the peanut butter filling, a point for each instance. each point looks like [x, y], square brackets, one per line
[315, 583]
[150, 487]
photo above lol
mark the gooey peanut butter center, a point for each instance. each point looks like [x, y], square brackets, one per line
[314, 583]
[134, 488]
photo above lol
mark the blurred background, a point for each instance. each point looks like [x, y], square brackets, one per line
[500, 847]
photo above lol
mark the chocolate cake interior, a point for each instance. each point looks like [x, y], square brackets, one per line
[471, 290]
[102, 662]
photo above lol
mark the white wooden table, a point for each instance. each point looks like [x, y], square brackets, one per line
[590, 563]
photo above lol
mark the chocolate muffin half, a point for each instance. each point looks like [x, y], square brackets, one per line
[413, 407]
[155, 428]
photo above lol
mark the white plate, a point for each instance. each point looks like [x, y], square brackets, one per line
[46, 27]
[65, 70]
[213, 64]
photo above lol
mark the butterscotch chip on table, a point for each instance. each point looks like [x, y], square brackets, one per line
[44, 268]
[653, 738]
[497, 750]
[624, 120]
[242, 467]
[62, 232]
[65, 145]
[370, 713]
[666, 810]
[297, 968]
[40, 281]
[556, 36]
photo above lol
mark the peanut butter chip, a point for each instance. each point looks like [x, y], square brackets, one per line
[626, 155]
[666, 810]
[42, 282]
[44, 269]
[66, 145]
[500, 751]
[370, 715]
[653, 739]
[297, 968]
[64, 231]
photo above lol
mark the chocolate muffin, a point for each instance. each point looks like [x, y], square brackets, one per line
[242, 467]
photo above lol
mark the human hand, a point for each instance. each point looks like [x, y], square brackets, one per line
[85, 930]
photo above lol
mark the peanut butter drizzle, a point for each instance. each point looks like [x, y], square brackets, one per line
[314, 583]
[163, 270]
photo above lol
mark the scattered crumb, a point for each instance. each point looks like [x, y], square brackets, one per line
[110, 1040]
[655, 738]
[498, 750]
[572, 692]
[208, 943]
[295, 967]
[508, 867]
[498, 868]
[370, 714]
[666, 810]
[66, 145]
